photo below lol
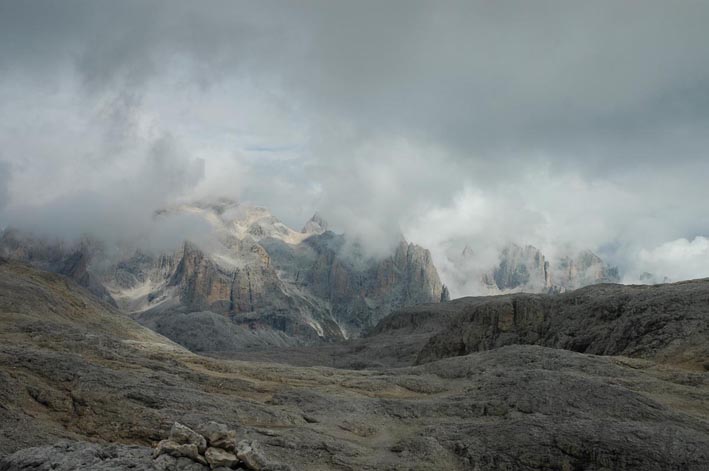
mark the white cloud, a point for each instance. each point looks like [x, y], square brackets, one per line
[679, 259]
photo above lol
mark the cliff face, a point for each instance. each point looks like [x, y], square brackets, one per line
[667, 323]
[319, 287]
[362, 290]
[585, 269]
[527, 269]
[521, 267]
[254, 271]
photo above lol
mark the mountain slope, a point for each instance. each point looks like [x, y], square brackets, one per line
[74, 368]
[666, 323]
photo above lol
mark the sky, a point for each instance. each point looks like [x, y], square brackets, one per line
[568, 125]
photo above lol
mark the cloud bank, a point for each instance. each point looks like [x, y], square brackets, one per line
[566, 125]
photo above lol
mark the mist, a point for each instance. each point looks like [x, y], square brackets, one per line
[567, 126]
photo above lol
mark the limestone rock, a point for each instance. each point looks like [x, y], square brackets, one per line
[281, 285]
[250, 453]
[184, 435]
[216, 457]
[315, 225]
[177, 450]
[666, 323]
[521, 267]
[218, 435]
[584, 269]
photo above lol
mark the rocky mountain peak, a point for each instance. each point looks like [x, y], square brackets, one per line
[315, 225]
[526, 268]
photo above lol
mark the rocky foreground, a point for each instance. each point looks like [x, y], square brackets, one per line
[84, 387]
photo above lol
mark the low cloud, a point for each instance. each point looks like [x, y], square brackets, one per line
[679, 259]
[567, 126]
[121, 208]
[5, 177]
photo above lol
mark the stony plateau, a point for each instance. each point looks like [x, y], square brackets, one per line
[83, 386]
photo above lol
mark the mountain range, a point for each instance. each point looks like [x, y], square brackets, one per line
[250, 281]
[253, 279]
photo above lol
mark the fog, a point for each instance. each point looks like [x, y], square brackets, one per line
[566, 125]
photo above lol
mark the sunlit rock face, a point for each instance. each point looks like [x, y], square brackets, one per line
[278, 285]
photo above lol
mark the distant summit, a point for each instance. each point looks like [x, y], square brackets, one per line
[315, 225]
[527, 269]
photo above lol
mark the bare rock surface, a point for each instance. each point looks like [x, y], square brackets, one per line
[218, 435]
[185, 435]
[668, 323]
[216, 457]
[71, 368]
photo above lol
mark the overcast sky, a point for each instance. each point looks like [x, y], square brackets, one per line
[565, 124]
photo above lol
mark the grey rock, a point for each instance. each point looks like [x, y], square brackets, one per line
[73, 368]
[667, 323]
[218, 435]
[169, 463]
[315, 225]
[521, 267]
[184, 436]
[78, 456]
[178, 450]
[250, 454]
[216, 457]
[526, 269]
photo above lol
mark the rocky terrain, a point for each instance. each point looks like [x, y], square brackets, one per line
[666, 323]
[274, 285]
[85, 387]
[527, 269]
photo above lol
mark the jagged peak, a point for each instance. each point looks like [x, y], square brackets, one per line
[315, 225]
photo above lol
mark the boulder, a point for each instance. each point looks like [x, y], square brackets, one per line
[216, 457]
[179, 450]
[183, 435]
[251, 456]
[218, 435]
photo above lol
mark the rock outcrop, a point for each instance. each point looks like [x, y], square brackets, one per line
[666, 323]
[217, 449]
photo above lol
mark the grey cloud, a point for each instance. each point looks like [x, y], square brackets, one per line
[122, 209]
[574, 122]
[5, 177]
[491, 78]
